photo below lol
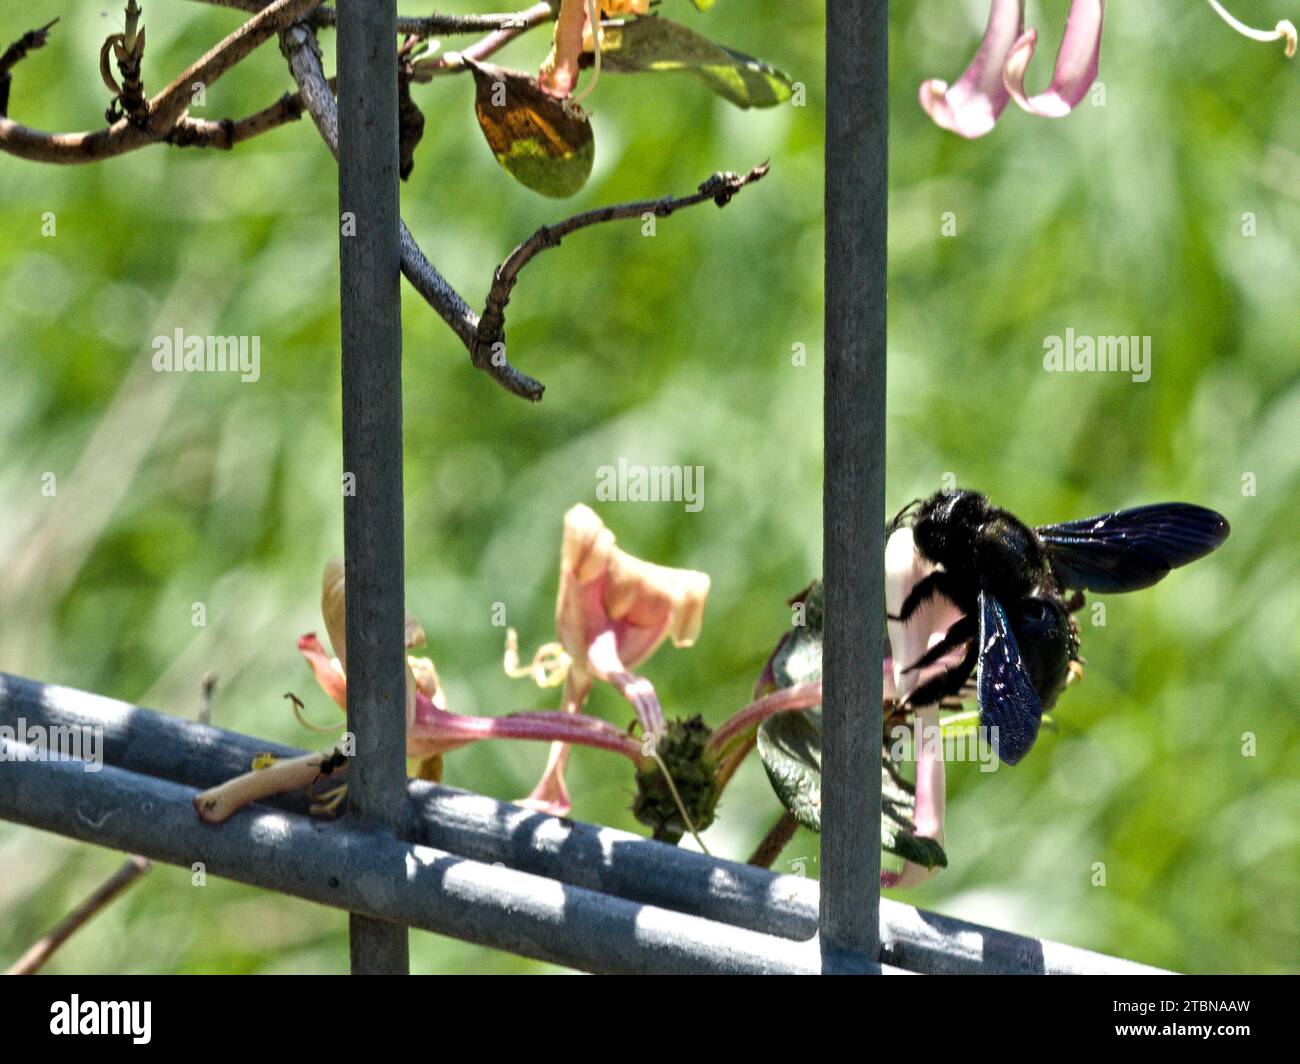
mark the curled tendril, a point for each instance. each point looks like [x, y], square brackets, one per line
[549, 667]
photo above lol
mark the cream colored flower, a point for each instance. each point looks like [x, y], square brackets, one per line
[613, 611]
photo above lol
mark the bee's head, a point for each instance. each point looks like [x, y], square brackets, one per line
[947, 524]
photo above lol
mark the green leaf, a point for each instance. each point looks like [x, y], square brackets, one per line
[703, 5]
[798, 656]
[790, 746]
[659, 44]
[542, 143]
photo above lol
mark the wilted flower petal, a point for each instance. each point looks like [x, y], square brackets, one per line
[328, 671]
[971, 106]
[1076, 62]
[559, 71]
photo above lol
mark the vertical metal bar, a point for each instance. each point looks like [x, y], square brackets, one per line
[369, 264]
[854, 489]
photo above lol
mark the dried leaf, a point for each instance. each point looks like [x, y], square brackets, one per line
[543, 143]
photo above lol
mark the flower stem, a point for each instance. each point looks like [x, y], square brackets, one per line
[451, 730]
[800, 696]
[776, 840]
[1283, 31]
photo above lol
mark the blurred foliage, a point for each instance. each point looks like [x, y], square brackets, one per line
[1124, 218]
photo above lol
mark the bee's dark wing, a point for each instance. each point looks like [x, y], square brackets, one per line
[1007, 698]
[1131, 549]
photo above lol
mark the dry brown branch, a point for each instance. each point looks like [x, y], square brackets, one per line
[456, 62]
[14, 54]
[164, 119]
[423, 27]
[34, 959]
[777, 839]
[166, 109]
[719, 188]
[299, 46]
[484, 338]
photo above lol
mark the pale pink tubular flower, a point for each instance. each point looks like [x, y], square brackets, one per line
[430, 728]
[972, 105]
[613, 611]
[1076, 63]
[905, 567]
[996, 75]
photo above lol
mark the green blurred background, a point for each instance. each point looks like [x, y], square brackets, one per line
[1125, 218]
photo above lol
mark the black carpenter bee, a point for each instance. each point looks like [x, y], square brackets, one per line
[955, 555]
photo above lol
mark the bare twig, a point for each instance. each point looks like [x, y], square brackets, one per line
[28, 42]
[299, 46]
[205, 697]
[719, 188]
[226, 133]
[165, 110]
[14, 54]
[484, 338]
[423, 27]
[455, 62]
[776, 840]
[34, 959]
[128, 48]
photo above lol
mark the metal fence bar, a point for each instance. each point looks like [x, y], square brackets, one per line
[854, 488]
[365, 869]
[370, 280]
[582, 855]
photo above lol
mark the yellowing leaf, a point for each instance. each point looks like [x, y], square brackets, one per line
[543, 143]
[658, 44]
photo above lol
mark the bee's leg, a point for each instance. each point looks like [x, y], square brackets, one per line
[899, 517]
[938, 582]
[946, 684]
[963, 630]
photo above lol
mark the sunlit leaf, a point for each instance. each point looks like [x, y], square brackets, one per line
[543, 143]
[790, 745]
[659, 44]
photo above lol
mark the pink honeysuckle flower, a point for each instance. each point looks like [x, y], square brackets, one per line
[996, 75]
[971, 106]
[613, 611]
[430, 728]
[1076, 63]
[905, 567]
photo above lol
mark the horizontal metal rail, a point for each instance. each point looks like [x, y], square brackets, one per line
[580, 856]
[367, 870]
